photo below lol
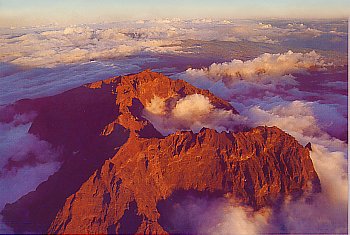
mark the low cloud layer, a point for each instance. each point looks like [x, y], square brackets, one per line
[324, 213]
[269, 90]
[276, 95]
[327, 212]
[25, 161]
[218, 216]
[18, 83]
[38, 62]
[192, 112]
[307, 121]
[317, 122]
[49, 48]
[266, 65]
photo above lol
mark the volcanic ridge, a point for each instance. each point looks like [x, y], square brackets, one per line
[119, 173]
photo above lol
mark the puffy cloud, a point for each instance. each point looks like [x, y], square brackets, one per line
[81, 44]
[215, 215]
[264, 77]
[265, 26]
[303, 30]
[197, 104]
[294, 117]
[192, 112]
[264, 90]
[296, 25]
[272, 65]
[306, 121]
[51, 46]
[326, 212]
[332, 168]
[267, 98]
[157, 106]
[276, 98]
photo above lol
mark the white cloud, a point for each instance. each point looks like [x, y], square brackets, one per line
[302, 120]
[268, 75]
[82, 43]
[216, 216]
[193, 112]
[266, 65]
[264, 91]
[238, 220]
[327, 212]
[48, 47]
[265, 26]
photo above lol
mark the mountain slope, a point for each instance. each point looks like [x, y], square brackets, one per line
[256, 167]
[88, 124]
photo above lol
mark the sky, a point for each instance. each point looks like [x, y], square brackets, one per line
[34, 12]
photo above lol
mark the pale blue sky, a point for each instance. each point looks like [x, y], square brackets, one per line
[29, 12]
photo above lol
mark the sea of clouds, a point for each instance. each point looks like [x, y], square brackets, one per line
[266, 92]
[267, 89]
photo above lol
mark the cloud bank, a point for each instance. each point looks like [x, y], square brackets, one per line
[329, 156]
[266, 65]
[19, 83]
[325, 213]
[37, 62]
[53, 45]
[78, 44]
[218, 216]
[267, 91]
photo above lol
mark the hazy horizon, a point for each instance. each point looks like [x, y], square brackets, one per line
[35, 12]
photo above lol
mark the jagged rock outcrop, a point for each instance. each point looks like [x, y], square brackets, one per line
[89, 124]
[256, 167]
[117, 168]
[134, 92]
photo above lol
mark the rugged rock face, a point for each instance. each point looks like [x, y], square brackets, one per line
[255, 166]
[117, 168]
[72, 124]
[134, 92]
[88, 124]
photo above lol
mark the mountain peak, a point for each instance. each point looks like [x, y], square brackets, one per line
[124, 168]
[249, 166]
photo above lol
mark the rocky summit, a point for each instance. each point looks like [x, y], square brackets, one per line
[119, 172]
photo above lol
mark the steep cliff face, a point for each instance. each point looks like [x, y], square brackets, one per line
[255, 167]
[134, 92]
[89, 124]
[117, 168]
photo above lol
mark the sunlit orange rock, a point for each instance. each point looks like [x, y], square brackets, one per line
[255, 166]
[117, 168]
